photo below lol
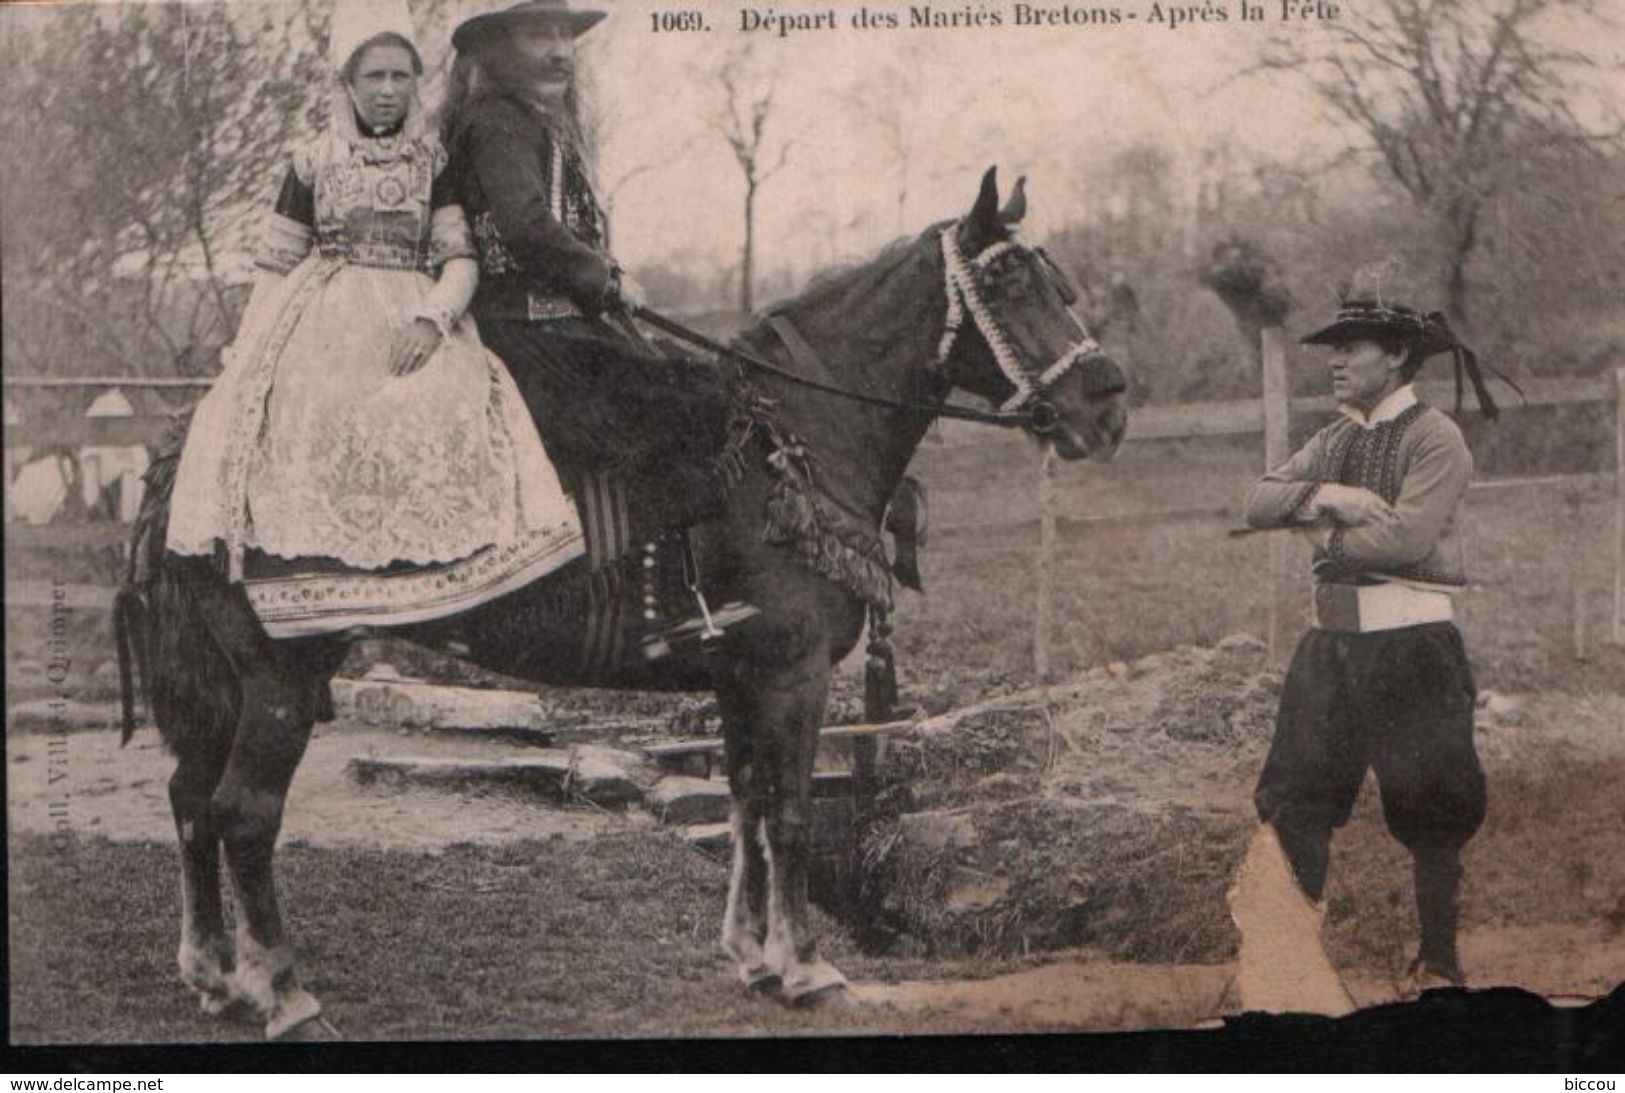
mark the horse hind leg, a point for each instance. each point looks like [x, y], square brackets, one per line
[246, 806]
[205, 955]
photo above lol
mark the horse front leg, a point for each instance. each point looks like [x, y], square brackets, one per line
[792, 710]
[744, 922]
[272, 732]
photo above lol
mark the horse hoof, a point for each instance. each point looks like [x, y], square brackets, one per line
[216, 1003]
[292, 1011]
[760, 979]
[815, 985]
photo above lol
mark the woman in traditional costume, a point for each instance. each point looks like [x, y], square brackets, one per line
[363, 460]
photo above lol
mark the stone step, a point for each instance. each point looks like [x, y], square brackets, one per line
[708, 836]
[408, 704]
[605, 778]
[679, 800]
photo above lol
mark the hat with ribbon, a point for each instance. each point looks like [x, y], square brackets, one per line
[481, 28]
[1367, 314]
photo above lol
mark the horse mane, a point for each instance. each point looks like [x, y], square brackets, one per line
[864, 299]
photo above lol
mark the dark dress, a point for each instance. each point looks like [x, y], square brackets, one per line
[548, 304]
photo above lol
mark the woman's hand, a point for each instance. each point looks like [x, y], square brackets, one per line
[414, 345]
[1349, 505]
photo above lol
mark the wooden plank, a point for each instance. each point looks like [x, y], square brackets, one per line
[1243, 417]
[1239, 417]
[854, 732]
[78, 431]
[680, 748]
[1277, 412]
[1042, 584]
[702, 745]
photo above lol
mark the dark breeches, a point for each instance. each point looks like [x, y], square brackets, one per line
[1399, 702]
[604, 401]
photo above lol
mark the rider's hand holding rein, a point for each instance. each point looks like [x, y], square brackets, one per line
[414, 344]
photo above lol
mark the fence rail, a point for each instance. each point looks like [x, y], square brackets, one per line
[1269, 416]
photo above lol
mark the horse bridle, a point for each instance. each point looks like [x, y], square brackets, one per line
[965, 297]
[1026, 408]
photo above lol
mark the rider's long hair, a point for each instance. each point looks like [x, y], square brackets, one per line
[492, 68]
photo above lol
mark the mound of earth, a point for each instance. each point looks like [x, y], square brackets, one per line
[1082, 815]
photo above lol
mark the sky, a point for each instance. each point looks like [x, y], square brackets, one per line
[1046, 102]
[1050, 102]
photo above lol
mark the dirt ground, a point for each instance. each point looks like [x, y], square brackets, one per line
[525, 920]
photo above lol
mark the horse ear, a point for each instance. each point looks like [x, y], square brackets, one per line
[1015, 208]
[983, 218]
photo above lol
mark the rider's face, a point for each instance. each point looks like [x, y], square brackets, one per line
[548, 52]
[383, 84]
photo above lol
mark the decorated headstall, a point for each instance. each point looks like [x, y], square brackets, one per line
[1031, 382]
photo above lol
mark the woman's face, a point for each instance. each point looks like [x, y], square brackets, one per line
[547, 53]
[383, 85]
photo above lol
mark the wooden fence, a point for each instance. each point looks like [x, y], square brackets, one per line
[1270, 416]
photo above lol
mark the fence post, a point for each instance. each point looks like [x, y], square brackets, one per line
[1277, 440]
[1046, 563]
[1619, 506]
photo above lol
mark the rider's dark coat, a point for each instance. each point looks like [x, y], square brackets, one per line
[548, 304]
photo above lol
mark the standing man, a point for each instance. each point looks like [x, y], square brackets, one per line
[1382, 680]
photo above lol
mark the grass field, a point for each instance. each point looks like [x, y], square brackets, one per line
[1121, 591]
[617, 936]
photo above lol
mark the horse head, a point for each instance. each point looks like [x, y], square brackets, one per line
[1013, 338]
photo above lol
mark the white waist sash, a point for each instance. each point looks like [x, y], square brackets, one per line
[1362, 609]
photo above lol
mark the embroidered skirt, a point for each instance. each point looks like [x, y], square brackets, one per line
[344, 495]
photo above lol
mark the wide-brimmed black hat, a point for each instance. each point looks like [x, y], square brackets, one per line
[1359, 320]
[531, 12]
[1424, 334]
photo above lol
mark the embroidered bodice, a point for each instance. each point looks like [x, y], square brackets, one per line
[384, 202]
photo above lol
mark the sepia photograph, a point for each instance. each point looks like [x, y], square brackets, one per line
[609, 520]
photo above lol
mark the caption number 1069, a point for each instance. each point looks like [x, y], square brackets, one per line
[677, 21]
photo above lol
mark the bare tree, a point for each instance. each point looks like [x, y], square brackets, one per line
[1455, 96]
[748, 92]
[157, 134]
[887, 98]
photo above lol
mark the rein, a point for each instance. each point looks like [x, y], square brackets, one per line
[1025, 409]
[1004, 419]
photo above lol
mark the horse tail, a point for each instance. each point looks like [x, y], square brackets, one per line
[163, 640]
[127, 603]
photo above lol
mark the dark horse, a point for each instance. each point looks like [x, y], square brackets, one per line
[964, 306]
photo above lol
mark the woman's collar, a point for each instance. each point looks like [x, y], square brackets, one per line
[377, 132]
